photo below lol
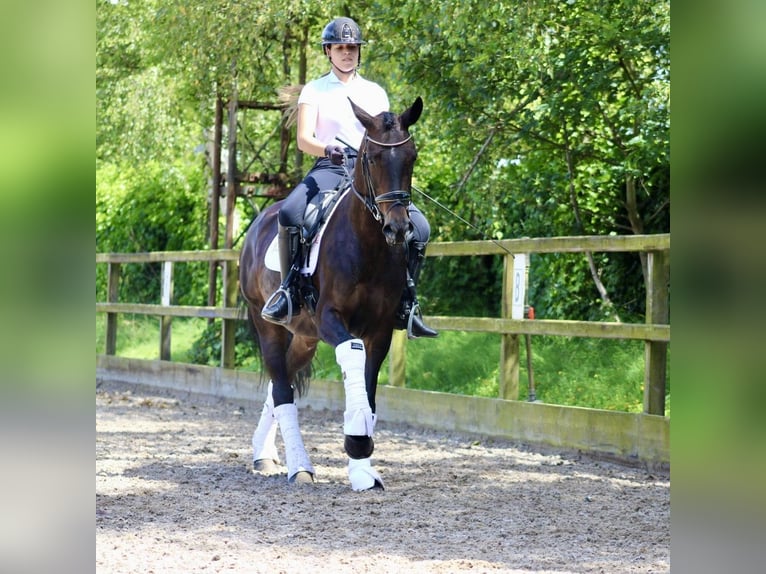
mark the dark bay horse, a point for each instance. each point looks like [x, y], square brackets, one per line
[359, 279]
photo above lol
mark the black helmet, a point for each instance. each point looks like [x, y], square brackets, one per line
[342, 31]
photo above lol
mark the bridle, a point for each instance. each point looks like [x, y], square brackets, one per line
[371, 201]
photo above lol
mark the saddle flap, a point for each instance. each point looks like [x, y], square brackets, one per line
[317, 212]
[321, 213]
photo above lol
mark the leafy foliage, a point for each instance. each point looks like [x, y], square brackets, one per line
[556, 113]
[206, 350]
[542, 119]
[157, 208]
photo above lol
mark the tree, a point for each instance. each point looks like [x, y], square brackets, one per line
[557, 113]
[542, 118]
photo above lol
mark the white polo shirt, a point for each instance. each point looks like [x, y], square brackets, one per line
[335, 118]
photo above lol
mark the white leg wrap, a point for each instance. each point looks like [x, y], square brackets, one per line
[362, 475]
[358, 419]
[264, 437]
[295, 453]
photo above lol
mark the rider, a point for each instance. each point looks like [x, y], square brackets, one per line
[326, 125]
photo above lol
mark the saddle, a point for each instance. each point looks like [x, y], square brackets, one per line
[317, 214]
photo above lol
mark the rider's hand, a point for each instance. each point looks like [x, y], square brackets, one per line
[334, 153]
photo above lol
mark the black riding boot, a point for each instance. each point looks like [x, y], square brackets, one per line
[408, 315]
[283, 303]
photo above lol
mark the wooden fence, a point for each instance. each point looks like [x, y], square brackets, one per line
[655, 331]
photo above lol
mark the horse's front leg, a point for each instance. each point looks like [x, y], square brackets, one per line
[358, 418]
[360, 364]
[360, 471]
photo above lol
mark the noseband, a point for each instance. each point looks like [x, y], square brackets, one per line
[371, 201]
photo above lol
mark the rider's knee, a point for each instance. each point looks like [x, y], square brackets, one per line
[421, 230]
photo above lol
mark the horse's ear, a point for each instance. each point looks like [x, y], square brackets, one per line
[366, 119]
[412, 114]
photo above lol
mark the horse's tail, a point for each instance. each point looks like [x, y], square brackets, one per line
[244, 314]
[288, 95]
[302, 380]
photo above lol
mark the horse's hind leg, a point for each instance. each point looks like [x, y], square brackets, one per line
[299, 467]
[265, 455]
[283, 357]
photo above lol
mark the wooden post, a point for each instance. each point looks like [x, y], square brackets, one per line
[167, 300]
[397, 359]
[215, 201]
[656, 352]
[113, 294]
[228, 330]
[228, 337]
[508, 384]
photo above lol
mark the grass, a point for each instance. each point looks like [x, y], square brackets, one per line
[596, 373]
[138, 336]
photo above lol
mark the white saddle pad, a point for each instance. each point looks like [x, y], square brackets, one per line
[271, 260]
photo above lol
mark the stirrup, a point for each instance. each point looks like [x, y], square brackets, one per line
[415, 312]
[415, 307]
[274, 296]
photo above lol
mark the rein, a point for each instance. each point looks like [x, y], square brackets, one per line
[371, 201]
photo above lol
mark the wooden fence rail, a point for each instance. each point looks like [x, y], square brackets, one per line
[655, 331]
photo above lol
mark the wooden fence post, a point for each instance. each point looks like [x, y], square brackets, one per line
[229, 329]
[215, 201]
[508, 383]
[113, 294]
[167, 300]
[397, 359]
[656, 352]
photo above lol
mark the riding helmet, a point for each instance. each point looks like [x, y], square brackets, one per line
[342, 31]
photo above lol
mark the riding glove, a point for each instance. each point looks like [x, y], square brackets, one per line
[335, 153]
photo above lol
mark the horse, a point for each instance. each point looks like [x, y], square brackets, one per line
[357, 284]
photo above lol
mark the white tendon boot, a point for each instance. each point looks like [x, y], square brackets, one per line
[358, 419]
[295, 453]
[362, 475]
[264, 436]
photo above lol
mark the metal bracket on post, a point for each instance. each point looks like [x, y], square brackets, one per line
[522, 310]
[166, 321]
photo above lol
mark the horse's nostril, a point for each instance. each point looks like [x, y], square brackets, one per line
[393, 234]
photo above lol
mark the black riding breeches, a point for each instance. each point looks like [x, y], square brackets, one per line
[322, 176]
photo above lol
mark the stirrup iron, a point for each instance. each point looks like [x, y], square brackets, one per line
[274, 296]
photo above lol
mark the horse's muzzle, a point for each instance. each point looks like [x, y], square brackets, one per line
[396, 229]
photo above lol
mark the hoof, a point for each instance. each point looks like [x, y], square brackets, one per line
[377, 486]
[301, 477]
[358, 446]
[265, 466]
[363, 477]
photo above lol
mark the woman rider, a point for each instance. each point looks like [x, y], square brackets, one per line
[325, 125]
